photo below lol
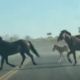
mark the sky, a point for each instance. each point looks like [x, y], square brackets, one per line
[38, 17]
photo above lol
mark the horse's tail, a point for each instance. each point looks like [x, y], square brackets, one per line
[33, 49]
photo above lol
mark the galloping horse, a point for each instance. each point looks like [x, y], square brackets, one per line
[20, 46]
[72, 41]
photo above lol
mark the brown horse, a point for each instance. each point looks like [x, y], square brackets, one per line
[60, 50]
[72, 41]
[20, 46]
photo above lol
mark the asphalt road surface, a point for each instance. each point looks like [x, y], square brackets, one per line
[47, 68]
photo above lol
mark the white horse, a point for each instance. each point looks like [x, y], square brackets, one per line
[60, 50]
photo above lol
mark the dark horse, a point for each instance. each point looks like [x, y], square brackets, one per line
[20, 46]
[72, 41]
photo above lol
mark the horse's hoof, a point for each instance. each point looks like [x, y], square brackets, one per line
[19, 66]
[74, 64]
[70, 61]
[0, 69]
[34, 63]
[38, 55]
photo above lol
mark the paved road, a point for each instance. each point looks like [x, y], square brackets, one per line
[47, 67]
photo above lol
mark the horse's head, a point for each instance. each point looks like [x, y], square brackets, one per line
[62, 35]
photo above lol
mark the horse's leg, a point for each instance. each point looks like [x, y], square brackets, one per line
[6, 59]
[60, 57]
[68, 57]
[74, 55]
[23, 58]
[63, 57]
[28, 53]
[2, 62]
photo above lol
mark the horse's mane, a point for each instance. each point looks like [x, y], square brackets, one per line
[66, 32]
[73, 37]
